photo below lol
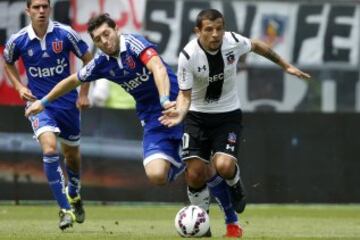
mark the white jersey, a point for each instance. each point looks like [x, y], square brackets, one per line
[212, 77]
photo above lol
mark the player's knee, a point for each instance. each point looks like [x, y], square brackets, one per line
[49, 151]
[157, 177]
[225, 168]
[196, 177]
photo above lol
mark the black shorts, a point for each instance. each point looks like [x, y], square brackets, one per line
[209, 133]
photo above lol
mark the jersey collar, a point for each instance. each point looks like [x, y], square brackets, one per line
[32, 34]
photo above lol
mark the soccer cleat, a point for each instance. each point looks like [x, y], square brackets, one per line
[67, 217]
[200, 197]
[238, 196]
[77, 206]
[233, 230]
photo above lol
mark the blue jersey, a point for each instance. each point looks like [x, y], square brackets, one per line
[46, 60]
[129, 72]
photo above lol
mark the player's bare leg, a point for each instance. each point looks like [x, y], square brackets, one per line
[226, 166]
[157, 171]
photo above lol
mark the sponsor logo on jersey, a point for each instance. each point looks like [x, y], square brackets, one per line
[216, 77]
[130, 62]
[136, 82]
[49, 71]
[57, 46]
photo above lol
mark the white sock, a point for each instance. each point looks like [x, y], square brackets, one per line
[232, 182]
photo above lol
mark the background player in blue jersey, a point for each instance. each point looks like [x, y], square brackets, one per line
[132, 62]
[45, 47]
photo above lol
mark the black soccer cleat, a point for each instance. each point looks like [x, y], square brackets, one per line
[67, 218]
[238, 196]
[77, 206]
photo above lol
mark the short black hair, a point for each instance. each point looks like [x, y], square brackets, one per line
[99, 20]
[208, 14]
[28, 3]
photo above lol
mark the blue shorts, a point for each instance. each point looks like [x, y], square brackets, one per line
[64, 122]
[162, 142]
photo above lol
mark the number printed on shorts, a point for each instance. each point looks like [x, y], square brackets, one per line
[185, 141]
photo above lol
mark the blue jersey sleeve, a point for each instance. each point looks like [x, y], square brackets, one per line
[11, 51]
[137, 44]
[77, 45]
[92, 70]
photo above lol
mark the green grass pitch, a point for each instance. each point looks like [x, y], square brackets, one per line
[155, 221]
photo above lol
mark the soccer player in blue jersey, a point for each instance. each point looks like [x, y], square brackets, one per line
[132, 62]
[44, 47]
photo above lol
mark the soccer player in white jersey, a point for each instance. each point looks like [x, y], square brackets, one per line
[209, 104]
[45, 47]
[133, 62]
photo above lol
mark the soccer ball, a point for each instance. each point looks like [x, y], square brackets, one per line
[192, 221]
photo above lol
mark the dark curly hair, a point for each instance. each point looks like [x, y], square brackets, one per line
[99, 20]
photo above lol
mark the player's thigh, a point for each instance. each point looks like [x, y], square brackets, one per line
[47, 142]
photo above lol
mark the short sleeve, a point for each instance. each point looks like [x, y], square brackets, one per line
[77, 44]
[11, 51]
[243, 43]
[184, 72]
[90, 72]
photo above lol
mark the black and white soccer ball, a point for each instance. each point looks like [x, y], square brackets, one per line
[192, 221]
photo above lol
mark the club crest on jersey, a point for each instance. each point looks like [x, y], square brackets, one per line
[230, 58]
[57, 46]
[130, 62]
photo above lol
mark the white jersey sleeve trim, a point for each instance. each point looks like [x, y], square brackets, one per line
[184, 73]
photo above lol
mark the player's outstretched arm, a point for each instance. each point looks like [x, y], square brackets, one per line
[83, 99]
[161, 78]
[60, 89]
[264, 50]
[175, 115]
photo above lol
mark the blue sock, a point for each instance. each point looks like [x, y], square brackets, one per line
[220, 190]
[73, 182]
[56, 179]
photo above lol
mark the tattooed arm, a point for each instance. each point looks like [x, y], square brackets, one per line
[264, 50]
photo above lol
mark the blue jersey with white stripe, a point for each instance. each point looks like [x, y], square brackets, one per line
[129, 72]
[46, 60]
